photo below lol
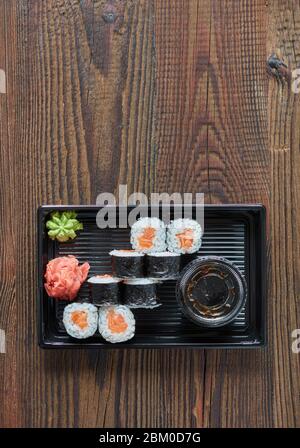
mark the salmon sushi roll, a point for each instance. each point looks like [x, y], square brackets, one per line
[184, 236]
[141, 293]
[104, 290]
[116, 323]
[80, 320]
[127, 263]
[148, 235]
[163, 265]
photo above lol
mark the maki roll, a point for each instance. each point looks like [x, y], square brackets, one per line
[127, 263]
[116, 323]
[104, 290]
[184, 236]
[148, 235]
[163, 265]
[141, 293]
[80, 320]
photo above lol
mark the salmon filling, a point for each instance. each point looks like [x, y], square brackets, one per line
[186, 238]
[116, 322]
[146, 238]
[79, 318]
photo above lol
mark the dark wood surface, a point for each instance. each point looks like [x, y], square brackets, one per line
[162, 95]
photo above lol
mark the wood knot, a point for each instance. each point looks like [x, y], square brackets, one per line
[109, 17]
[277, 68]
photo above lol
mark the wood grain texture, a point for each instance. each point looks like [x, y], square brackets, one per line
[284, 144]
[162, 96]
[9, 411]
[220, 138]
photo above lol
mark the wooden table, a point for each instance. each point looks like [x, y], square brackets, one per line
[162, 95]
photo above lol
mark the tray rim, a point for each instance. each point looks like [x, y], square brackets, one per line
[261, 343]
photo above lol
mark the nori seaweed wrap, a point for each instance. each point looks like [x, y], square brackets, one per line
[104, 290]
[127, 263]
[141, 293]
[163, 265]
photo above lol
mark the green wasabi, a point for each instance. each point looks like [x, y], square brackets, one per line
[63, 226]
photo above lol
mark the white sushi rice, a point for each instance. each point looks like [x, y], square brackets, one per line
[159, 239]
[179, 226]
[141, 281]
[125, 253]
[163, 254]
[104, 329]
[100, 280]
[75, 330]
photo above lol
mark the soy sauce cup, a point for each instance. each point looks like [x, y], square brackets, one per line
[211, 291]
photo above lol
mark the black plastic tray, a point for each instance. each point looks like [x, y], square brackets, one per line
[236, 232]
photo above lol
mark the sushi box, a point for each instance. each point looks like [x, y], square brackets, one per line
[234, 232]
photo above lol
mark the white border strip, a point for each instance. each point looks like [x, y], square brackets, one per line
[2, 81]
[2, 341]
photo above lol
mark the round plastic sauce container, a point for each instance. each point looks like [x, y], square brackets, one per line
[211, 291]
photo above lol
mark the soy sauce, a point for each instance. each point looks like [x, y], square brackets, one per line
[211, 291]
